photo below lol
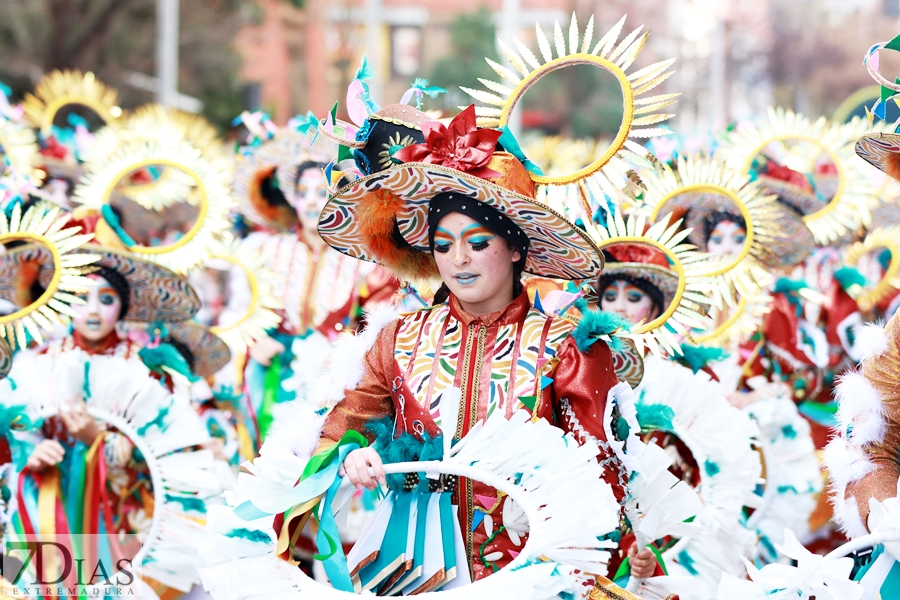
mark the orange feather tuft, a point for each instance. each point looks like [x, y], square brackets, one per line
[280, 216]
[892, 165]
[375, 213]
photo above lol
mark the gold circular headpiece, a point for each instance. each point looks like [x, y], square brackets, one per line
[613, 170]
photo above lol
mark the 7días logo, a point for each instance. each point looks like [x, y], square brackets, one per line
[54, 565]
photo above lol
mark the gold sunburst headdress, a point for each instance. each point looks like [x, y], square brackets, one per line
[689, 292]
[153, 121]
[210, 195]
[697, 188]
[161, 185]
[841, 201]
[260, 314]
[46, 230]
[18, 147]
[613, 170]
[65, 88]
[883, 238]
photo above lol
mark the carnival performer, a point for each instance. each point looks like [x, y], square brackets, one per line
[480, 229]
[639, 284]
[281, 188]
[123, 287]
[98, 473]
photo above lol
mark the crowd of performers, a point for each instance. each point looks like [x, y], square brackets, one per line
[390, 355]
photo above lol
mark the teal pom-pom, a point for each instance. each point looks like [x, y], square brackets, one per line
[655, 417]
[849, 277]
[595, 323]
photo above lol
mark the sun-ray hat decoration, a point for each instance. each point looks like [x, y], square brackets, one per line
[49, 231]
[61, 89]
[810, 165]
[683, 281]
[613, 170]
[209, 195]
[383, 217]
[260, 314]
[880, 249]
[158, 186]
[700, 188]
[735, 323]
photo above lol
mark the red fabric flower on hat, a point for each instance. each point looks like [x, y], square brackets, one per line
[627, 252]
[783, 173]
[461, 146]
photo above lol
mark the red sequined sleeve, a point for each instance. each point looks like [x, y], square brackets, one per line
[371, 399]
[581, 383]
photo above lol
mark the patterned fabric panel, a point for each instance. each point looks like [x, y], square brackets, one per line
[303, 285]
[557, 249]
[439, 357]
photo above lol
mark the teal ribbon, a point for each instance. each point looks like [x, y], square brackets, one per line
[511, 145]
[328, 539]
[317, 479]
[113, 221]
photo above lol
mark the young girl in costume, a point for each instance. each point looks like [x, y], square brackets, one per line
[88, 386]
[684, 411]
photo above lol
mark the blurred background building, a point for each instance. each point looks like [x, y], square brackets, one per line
[735, 57]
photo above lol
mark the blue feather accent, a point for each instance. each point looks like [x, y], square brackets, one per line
[365, 71]
[424, 86]
[596, 323]
[698, 357]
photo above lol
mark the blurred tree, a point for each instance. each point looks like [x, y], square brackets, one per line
[472, 39]
[580, 101]
[116, 38]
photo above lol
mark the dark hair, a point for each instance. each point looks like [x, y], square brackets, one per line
[306, 166]
[719, 216]
[270, 191]
[653, 292]
[120, 284]
[183, 350]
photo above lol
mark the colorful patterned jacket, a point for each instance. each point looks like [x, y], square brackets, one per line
[517, 357]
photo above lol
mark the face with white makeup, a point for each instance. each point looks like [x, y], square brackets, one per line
[97, 318]
[628, 300]
[476, 264]
[309, 196]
